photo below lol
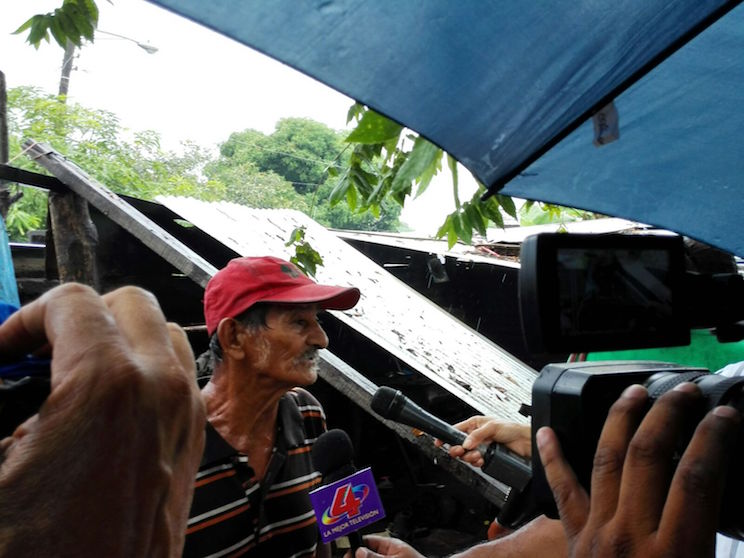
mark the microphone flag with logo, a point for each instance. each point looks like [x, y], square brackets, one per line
[348, 499]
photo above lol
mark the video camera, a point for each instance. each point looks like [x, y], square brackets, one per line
[581, 293]
[584, 293]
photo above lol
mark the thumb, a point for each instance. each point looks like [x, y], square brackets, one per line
[362, 552]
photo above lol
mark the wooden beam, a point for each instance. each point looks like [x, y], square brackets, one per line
[28, 178]
[360, 390]
[107, 202]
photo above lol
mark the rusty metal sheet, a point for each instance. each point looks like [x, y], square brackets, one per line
[390, 313]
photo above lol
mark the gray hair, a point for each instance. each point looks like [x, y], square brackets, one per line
[254, 318]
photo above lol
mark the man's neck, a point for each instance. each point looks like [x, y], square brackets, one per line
[243, 412]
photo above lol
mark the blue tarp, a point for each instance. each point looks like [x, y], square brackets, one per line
[498, 84]
[24, 366]
[8, 286]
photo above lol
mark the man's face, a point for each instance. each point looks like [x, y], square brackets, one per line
[286, 349]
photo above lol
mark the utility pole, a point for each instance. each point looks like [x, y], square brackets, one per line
[74, 238]
[64, 80]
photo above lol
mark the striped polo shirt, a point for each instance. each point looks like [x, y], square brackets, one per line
[234, 514]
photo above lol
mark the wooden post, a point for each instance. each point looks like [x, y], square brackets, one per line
[75, 239]
[4, 192]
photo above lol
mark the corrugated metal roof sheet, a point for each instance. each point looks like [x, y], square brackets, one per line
[592, 226]
[439, 247]
[390, 313]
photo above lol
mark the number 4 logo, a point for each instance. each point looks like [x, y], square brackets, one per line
[345, 502]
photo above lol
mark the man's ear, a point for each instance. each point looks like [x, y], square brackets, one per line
[231, 335]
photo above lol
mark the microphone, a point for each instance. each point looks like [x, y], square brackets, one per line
[499, 462]
[332, 455]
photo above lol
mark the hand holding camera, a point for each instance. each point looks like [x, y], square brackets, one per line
[633, 510]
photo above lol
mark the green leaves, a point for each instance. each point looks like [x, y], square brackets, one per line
[373, 128]
[75, 20]
[305, 257]
[420, 165]
[19, 222]
[379, 169]
[539, 213]
[475, 216]
[383, 167]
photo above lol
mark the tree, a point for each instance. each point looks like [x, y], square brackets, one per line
[94, 140]
[299, 150]
[243, 183]
[295, 166]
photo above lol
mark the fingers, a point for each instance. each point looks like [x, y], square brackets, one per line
[570, 497]
[459, 452]
[74, 321]
[473, 457]
[516, 436]
[182, 348]
[372, 543]
[468, 425]
[483, 430]
[607, 470]
[648, 464]
[70, 312]
[375, 542]
[141, 322]
[697, 488]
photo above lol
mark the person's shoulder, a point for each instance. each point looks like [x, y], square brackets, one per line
[303, 397]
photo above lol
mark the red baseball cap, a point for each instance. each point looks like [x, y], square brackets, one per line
[245, 281]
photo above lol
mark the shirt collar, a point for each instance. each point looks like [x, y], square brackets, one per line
[289, 433]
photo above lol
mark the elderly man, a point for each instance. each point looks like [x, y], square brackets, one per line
[251, 492]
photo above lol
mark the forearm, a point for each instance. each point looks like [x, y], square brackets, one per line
[541, 537]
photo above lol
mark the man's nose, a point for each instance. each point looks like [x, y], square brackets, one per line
[318, 337]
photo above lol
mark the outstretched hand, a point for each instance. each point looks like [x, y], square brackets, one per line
[633, 510]
[107, 465]
[485, 430]
[384, 547]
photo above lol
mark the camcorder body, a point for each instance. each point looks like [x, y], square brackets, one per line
[585, 293]
[574, 400]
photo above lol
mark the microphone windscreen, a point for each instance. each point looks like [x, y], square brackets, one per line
[382, 401]
[332, 451]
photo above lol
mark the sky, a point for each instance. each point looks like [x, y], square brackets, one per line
[198, 86]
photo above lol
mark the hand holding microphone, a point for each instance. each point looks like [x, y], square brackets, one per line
[482, 430]
[499, 462]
